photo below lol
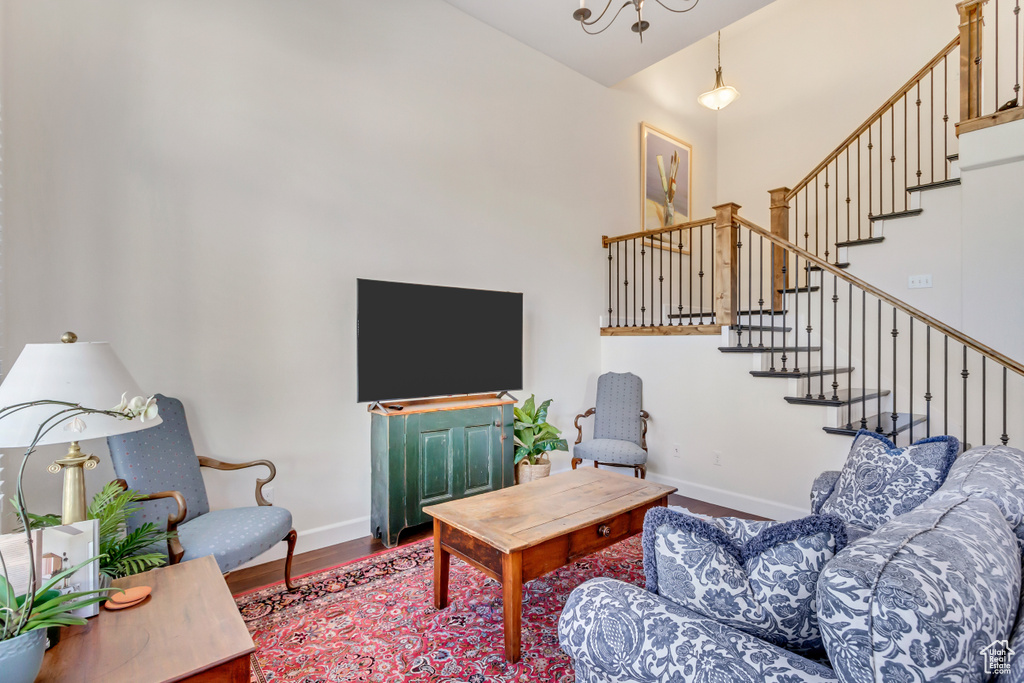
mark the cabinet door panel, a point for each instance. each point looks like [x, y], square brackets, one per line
[435, 466]
[479, 460]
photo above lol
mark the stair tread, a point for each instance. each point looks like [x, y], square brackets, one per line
[844, 397]
[698, 314]
[953, 157]
[767, 312]
[934, 185]
[812, 372]
[768, 349]
[862, 241]
[815, 269]
[896, 214]
[788, 290]
[761, 328]
[903, 422]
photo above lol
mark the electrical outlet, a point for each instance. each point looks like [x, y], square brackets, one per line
[268, 493]
[675, 450]
[919, 281]
[718, 459]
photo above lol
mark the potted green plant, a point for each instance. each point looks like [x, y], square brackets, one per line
[24, 619]
[534, 439]
[122, 553]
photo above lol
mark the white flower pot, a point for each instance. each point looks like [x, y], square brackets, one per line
[526, 472]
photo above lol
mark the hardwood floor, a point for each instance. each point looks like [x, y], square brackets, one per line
[316, 560]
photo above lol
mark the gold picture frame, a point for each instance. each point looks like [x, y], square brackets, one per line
[666, 186]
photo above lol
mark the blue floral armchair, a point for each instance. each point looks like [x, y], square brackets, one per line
[920, 599]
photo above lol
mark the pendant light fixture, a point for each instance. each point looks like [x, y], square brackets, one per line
[723, 95]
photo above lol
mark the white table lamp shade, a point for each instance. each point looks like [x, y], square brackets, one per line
[87, 373]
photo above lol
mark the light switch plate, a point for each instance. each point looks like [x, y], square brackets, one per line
[919, 281]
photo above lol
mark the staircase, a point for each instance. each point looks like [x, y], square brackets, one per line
[787, 297]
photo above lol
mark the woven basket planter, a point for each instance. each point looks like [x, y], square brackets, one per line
[526, 472]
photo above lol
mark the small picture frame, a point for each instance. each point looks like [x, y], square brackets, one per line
[66, 546]
[666, 184]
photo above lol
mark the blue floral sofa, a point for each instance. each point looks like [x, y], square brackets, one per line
[933, 594]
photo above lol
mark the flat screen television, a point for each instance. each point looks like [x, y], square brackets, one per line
[416, 341]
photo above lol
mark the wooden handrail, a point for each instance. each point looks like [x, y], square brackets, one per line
[605, 240]
[874, 117]
[962, 338]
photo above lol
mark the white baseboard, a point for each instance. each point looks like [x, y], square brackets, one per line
[316, 538]
[737, 501]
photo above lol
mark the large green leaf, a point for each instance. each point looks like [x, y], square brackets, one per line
[542, 412]
[521, 454]
[528, 408]
[552, 445]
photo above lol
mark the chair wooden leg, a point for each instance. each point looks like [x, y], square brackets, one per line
[291, 538]
[643, 471]
[576, 461]
[595, 464]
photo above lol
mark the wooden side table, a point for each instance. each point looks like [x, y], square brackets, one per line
[189, 629]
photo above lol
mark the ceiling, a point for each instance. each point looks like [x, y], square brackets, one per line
[616, 54]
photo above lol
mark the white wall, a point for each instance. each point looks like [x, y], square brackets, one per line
[202, 183]
[992, 163]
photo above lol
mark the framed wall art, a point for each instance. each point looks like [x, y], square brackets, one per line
[666, 182]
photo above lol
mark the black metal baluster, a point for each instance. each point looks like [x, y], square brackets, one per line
[860, 206]
[918, 135]
[807, 223]
[785, 303]
[654, 250]
[895, 414]
[711, 289]
[945, 384]
[910, 392]
[878, 427]
[931, 124]
[863, 359]
[642, 283]
[796, 314]
[965, 374]
[835, 333]
[995, 94]
[928, 381]
[609, 285]
[689, 285]
[821, 335]
[670, 243]
[1004, 438]
[771, 337]
[750, 291]
[700, 276]
[817, 213]
[1016, 62]
[892, 157]
[661, 282]
[633, 242]
[618, 305]
[848, 224]
[739, 284]
[689, 282]
[871, 201]
[945, 117]
[760, 297]
[826, 215]
[906, 157]
[849, 356]
[984, 395]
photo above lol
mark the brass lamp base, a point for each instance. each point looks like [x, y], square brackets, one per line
[73, 508]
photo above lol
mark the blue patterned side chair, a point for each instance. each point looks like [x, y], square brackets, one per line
[620, 425]
[161, 463]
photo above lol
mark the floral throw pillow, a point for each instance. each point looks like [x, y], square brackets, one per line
[765, 586]
[880, 481]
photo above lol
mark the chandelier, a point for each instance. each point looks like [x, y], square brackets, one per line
[583, 15]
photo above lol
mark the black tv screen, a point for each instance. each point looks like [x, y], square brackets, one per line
[415, 341]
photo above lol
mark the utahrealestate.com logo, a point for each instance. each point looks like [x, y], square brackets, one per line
[997, 657]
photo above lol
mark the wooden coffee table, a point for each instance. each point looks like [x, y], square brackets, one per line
[517, 534]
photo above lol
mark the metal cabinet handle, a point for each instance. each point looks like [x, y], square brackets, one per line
[604, 530]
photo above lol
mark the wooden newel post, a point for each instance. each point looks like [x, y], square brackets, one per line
[970, 58]
[726, 301]
[779, 228]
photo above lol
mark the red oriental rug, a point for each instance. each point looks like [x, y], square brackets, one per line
[374, 620]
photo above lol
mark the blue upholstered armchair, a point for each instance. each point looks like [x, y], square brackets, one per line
[161, 463]
[620, 425]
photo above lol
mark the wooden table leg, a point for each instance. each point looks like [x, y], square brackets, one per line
[442, 561]
[512, 597]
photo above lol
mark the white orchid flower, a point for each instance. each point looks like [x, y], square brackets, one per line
[122, 407]
[150, 411]
[136, 406]
[76, 425]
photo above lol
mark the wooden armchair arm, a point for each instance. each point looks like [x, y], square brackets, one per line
[229, 466]
[175, 551]
[645, 416]
[576, 424]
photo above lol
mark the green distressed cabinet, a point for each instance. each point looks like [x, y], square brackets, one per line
[431, 452]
